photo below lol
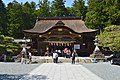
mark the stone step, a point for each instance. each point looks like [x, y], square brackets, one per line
[60, 60]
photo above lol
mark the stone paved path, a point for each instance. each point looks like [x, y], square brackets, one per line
[61, 71]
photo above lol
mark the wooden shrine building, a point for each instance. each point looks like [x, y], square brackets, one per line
[57, 33]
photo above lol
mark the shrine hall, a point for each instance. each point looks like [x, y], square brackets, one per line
[57, 33]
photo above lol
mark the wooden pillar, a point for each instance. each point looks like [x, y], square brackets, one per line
[38, 46]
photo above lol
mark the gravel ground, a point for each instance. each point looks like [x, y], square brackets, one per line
[104, 70]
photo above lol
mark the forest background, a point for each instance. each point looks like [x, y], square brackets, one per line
[102, 15]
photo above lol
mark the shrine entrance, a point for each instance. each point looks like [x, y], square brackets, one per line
[58, 33]
[58, 38]
[60, 45]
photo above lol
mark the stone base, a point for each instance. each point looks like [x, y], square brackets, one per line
[97, 56]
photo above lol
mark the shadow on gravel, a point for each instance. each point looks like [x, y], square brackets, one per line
[22, 77]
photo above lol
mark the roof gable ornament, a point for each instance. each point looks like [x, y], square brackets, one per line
[59, 23]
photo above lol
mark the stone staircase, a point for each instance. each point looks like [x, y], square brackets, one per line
[39, 59]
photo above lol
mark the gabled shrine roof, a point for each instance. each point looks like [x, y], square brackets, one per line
[45, 23]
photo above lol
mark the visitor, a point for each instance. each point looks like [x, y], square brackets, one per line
[68, 54]
[47, 53]
[74, 54]
[65, 52]
[22, 57]
[30, 58]
[59, 53]
[55, 57]
[51, 53]
[23, 53]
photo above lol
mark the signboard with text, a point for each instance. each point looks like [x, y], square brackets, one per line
[76, 46]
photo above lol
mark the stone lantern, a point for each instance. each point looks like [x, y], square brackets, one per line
[97, 54]
[24, 46]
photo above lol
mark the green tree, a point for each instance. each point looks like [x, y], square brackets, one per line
[110, 37]
[29, 15]
[58, 8]
[15, 21]
[8, 45]
[69, 11]
[78, 8]
[3, 18]
[102, 13]
[20, 17]
[113, 11]
[95, 17]
[44, 8]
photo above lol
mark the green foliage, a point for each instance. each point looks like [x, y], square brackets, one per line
[29, 15]
[102, 13]
[69, 11]
[58, 8]
[3, 18]
[95, 17]
[110, 37]
[44, 8]
[8, 45]
[79, 8]
[113, 11]
[14, 11]
[20, 17]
